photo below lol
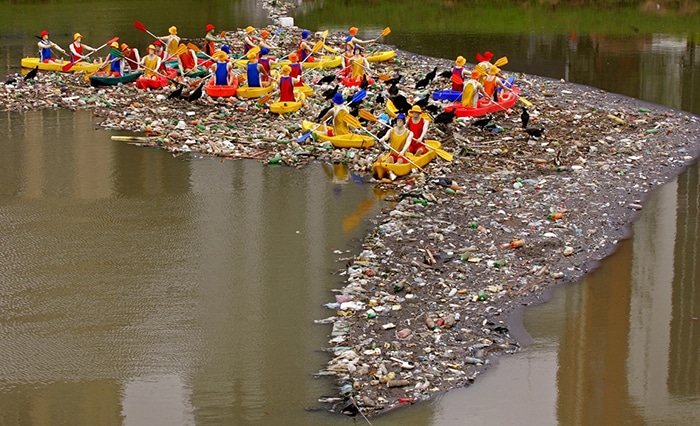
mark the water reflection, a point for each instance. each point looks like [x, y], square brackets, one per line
[133, 280]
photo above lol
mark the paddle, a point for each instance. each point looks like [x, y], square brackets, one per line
[69, 65]
[385, 32]
[354, 122]
[358, 97]
[118, 53]
[88, 75]
[62, 52]
[367, 115]
[139, 26]
[276, 33]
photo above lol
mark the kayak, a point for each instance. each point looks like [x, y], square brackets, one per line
[108, 80]
[287, 107]
[484, 106]
[353, 82]
[323, 62]
[447, 95]
[352, 140]
[222, 91]
[58, 66]
[253, 92]
[393, 112]
[381, 56]
[456, 95]
[305, 89]
[381, 168]
[155, 83]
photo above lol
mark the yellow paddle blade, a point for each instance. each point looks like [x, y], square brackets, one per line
[352, 121]
[181, 50]
[318, 46]
[481, 69]
[525, 101]
[330, 49]
[367, 115]
[324, 34]
[265, 99]
[501, 61]
[386, 31]
[193, 47]
[254, 49]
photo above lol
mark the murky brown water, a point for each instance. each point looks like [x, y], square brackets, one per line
[138, 288]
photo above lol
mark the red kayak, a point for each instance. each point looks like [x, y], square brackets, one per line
[156, 83]
[353, 82]
[484, 106]
[222, 91]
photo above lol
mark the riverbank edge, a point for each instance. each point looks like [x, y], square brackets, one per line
[513, 314]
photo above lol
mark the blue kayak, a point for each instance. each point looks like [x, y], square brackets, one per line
[447, 95]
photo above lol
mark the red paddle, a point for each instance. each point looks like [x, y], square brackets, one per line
[69, 65]
[139, 26]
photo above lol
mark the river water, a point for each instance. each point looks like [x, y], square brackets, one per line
[138, 288]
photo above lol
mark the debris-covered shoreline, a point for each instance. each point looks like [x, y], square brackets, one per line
[465, 244]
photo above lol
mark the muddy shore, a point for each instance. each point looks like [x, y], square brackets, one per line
[467, 243]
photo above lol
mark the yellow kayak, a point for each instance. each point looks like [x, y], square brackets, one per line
[58, 65]
[381, 56]
[352, 140]
[287, 107]
[305, 89]
[253, 92]
[381, 168]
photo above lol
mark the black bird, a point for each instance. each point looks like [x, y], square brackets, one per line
[175, 94]
[401, 104]
[535, 133]
[422, 83]
[326, 79]
[431, 75]
[445, 117]
[31, 74]
[328, 94]
[382, 132]
[393, 90]
[323, 112]
[433, 109]
[482, 122]
[446, 74]
[380, 99]
[524, 118]
[196, 93]
[364, 83]
[422, 102]
[394, 80]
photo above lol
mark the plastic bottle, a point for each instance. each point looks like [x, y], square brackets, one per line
[481, 295]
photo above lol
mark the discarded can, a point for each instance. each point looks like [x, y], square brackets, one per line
[450, 191]
[420, 201]
[555, 216]
[517, 243]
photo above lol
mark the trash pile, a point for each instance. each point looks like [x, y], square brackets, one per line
[525, 203]
[427, 299]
